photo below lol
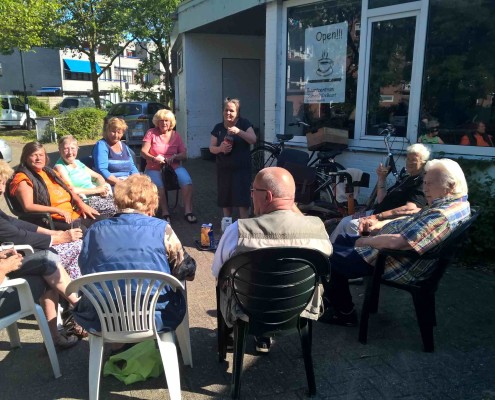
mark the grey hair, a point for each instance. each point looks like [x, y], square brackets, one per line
[451, 175]
[421, 150]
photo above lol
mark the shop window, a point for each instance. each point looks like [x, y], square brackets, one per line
[385, 3]
[459, 74]
[322, 64]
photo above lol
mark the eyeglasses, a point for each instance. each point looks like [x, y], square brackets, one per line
[258, 190]
[433, 129]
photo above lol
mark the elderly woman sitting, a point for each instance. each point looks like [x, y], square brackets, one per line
[113, 158]
[83, 180]
[38, 188]
[403, 198]
[133, 239]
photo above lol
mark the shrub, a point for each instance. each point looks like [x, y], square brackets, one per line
[481, 195]
[82, 123]
[41, 108]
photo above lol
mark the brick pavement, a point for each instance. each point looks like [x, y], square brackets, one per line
[391, 366]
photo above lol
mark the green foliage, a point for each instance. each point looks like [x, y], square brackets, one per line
[153, 23]
[82, 123]
[482, 196]
[41, 108]
[26, 24]
[85, 25]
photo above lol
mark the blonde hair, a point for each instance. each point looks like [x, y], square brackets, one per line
[114, 123]
[235, 102]
[137, 192]
[65, 139]
[451, 176]
[5, 171]
[164, 114]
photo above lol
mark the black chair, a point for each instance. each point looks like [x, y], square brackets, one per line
[423, 293]
[43, 219]
[272, 287]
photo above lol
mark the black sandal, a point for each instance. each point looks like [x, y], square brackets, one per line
[191, 218]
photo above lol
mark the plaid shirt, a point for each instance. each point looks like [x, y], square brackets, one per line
[422, 231]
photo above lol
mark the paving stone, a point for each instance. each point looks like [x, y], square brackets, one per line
[391, 366]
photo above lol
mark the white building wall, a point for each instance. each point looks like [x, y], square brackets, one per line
[203, 91]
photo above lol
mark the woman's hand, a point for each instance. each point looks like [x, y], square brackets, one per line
[103, 190]
[11, 262]
[160, 159]
[170, 160]
[233, 130]
[225, 147]
[382, 172]
[70, 235]
[66, 214]
[87, 211]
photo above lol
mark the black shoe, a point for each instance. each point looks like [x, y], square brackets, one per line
[263, 344]
[334, 317]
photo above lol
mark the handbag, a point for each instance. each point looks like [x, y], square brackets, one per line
[169, 178]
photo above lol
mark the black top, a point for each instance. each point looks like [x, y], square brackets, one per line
[407, 190]
[22, 232]
[240, 156]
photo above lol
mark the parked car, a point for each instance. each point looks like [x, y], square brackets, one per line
[78, 102]
[14, 113]
[5, 151]
[139, 118]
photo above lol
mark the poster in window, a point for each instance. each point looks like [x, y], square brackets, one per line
[325, 64]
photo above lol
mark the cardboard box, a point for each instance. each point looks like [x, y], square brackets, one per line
[327, 135]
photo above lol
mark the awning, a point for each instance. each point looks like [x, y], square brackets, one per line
[81, 66]
[49, 89]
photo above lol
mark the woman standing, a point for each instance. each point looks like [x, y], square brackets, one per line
[113, 159]
[163, 145]
[230, 141]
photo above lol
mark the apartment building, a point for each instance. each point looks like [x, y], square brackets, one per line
[56, 72]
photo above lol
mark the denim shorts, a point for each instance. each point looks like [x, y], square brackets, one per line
[182, 174]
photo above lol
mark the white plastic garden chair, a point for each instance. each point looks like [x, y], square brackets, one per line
[128, 316]
[28, 307]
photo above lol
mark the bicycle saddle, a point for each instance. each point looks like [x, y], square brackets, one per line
[284, 138]
[324, 155]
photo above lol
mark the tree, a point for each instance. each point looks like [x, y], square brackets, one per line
[26, 23]
[153, 23]
[88, 25]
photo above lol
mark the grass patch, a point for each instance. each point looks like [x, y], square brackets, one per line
[18, 135]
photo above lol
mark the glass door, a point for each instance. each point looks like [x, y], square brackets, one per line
[390, 74]
[389, 81]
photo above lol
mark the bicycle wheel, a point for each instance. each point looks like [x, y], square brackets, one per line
[262, 157]
[324, 189]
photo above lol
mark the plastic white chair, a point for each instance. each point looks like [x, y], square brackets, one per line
[127, 315]
[28, 307]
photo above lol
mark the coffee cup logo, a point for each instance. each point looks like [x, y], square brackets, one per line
[325, 65]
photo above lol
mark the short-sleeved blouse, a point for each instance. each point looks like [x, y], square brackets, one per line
[159, 147]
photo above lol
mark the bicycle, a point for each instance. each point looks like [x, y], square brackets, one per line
[328, 172]
[387, 132]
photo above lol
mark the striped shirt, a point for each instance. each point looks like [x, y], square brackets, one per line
[422, 231]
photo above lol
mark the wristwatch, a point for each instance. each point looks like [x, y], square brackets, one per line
[379, 217]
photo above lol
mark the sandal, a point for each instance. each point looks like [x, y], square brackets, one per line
[191, 218]
[63, 342]
[166, 217]
[71, 327]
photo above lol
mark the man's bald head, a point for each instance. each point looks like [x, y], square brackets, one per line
[277, 180]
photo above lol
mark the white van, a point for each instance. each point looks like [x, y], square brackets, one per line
[14, 113]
